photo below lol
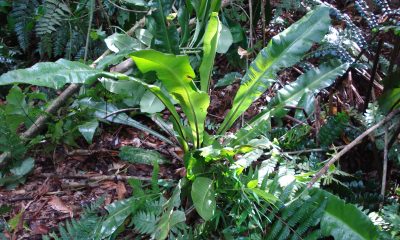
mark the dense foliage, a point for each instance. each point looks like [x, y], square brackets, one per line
[266, 174]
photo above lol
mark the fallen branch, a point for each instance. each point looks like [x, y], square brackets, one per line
[356, 141]
[67, 93]
[99, 178]
[61, 100]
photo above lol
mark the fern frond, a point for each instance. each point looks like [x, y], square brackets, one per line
[54, 13]
[87, 227]
[23, 12]
[45, 46]
[145, 222]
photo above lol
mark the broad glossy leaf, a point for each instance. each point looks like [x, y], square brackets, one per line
[225, 39]
[117, 214]
[184, 12]
[102, 110]
[24, 168]
[283, 51]
[140, 155]
[150, 103]
[209, 50]
[88, 129]
[203, 197]
[346, 221]
[309, 83]
[122, 42]
[136, 2]
[390, 99]
[165, 35]
[112, 59]
[52, 74]
[124, 87]
[144, 36]
[176, 74]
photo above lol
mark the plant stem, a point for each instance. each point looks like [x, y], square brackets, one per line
[356, 141]
[373, 74]
[91, 10]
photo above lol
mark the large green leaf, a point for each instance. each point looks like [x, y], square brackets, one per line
[53, 75]
[122, 42]
[117, 214]
[390, 99]
[225, 39]
[165, 35]
[103, 110]
[283, 51]
[346, 221]
[307, 84]
[130, 85]
[88, 129]
[209, 50]
[150, 103]
[176, 74]
[203, 197]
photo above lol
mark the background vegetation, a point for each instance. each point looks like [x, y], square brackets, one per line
[199, 119]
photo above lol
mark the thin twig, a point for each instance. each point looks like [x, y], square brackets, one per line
[356, 141]
[385, 163]
[92, 4]
[373, 73]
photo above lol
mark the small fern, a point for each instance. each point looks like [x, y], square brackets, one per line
[145, 222]
[87, 227]
[333, 129]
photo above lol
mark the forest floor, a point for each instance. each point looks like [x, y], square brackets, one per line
[69, 179]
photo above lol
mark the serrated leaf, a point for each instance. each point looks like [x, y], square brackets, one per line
[203, 197]
[140, 155]
[145, 222]
[88, 129]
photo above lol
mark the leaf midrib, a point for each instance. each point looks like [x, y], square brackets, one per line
[268, 67]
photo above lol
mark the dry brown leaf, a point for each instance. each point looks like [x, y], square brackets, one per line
[243, 52]
[39, 229]
[57, 204]
[108, 185]
[121, 190]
